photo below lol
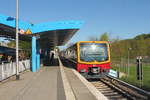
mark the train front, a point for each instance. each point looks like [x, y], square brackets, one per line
[93, 59]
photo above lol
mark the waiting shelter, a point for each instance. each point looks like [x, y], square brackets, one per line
[43, 36]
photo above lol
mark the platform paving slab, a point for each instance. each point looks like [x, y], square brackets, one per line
[80, 91]
[46, 84]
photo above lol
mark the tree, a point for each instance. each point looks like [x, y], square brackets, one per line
[24, 47]
[92, 38]
[11, 44]
[142, 36]
[104, 37]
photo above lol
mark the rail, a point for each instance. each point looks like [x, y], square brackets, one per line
[9, 69]
[127, 91]
[133, 88]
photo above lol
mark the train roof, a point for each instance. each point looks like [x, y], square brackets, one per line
[92, 42]
[86, 42]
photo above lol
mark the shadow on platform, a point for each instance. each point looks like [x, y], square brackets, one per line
[68, 63]
[50, 62]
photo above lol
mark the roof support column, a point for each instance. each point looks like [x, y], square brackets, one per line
[34, 54]
[38, 56]
[38, 61]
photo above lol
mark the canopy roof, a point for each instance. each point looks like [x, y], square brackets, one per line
[49, 33]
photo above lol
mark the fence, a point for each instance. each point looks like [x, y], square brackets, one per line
[122, 64]
[9, 69]
[128, 71]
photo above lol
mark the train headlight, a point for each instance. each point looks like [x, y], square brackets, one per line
[95, 70]
[83, 70]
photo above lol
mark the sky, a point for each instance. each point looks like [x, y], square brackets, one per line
[119, 18]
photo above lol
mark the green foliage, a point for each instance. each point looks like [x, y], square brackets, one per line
[23, 45]
[140, 47]
[104, 37]
[11, 44]
[142, 36]
[132, 79]
[92, 38]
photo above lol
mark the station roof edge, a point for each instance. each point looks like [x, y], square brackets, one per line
[37, 28]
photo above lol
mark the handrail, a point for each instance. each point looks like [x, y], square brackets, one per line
[9, 69]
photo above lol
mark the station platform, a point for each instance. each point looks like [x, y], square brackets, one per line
[48, 83]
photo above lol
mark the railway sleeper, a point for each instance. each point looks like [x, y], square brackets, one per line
[134, 94]
[124, 93]
[130, 91]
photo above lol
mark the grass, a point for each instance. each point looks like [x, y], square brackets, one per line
[132, 78]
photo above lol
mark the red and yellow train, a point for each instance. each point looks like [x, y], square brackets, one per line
[92, 58]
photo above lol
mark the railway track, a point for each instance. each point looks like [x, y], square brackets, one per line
[118, 90]
[115, 89]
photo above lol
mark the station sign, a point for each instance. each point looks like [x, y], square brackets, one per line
[113, 73]
[28, 31]
[21, 31]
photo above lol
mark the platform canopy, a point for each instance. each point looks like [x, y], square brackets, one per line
[7, 28]
[48, 34]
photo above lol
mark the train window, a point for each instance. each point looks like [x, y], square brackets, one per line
[90, 52]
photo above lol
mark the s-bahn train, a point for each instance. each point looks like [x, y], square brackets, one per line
[92, 58]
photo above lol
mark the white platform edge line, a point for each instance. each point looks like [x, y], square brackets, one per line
[68, 91]
[92, 89]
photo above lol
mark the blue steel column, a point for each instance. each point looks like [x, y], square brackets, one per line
[33, 54]
[38, 56]
[38, 61]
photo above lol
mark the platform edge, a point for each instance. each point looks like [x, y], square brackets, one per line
[68, 91]
[98, 95]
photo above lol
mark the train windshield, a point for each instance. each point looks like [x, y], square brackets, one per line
[90, 52]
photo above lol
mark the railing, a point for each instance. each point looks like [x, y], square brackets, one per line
[9, 69]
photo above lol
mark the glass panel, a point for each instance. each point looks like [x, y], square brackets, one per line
[90, 52]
